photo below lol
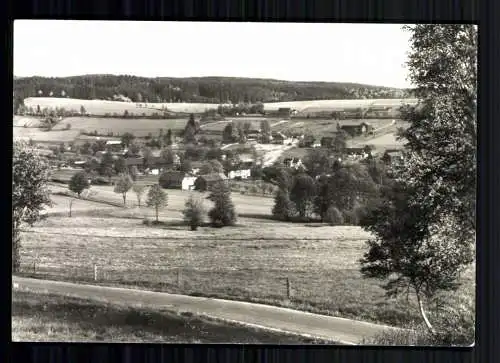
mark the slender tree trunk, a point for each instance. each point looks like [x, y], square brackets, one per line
[70, 206]
[16, 247]
[424, 315]
[157, 214]
[124, 198]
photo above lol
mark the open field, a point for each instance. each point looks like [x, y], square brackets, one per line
[326, 127]
[245, 204]
[380, 143]
[334, 105]
[139, 127]
[38, 135]
[250, 261]
[100, 107]
[93, 107]
[25, 121]
[52, 317]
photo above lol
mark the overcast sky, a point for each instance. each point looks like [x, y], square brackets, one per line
[359, 53]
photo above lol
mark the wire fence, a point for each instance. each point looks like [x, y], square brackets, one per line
[217, 282]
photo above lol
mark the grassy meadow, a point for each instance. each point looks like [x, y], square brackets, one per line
[44, 317]
[250, 261]
[138, 127]
[101, 107]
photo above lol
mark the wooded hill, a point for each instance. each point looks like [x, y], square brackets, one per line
[195, 89]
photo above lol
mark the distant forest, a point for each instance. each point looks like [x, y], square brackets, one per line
[202, 90]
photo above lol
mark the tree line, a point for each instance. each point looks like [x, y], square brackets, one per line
[203, 90]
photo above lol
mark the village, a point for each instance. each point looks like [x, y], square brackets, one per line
[240, 161]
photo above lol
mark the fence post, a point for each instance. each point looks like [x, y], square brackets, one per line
[34, 267]
[288, 288]
[95, 272]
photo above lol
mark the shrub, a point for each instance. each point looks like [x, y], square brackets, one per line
[68, 126]
[193, 212]
[283, 207]
[146, 221]
[351, 217]
[455, 327]
[223, 213]
[79, 182]
[334, 217]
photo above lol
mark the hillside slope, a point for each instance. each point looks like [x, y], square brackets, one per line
[195, 89]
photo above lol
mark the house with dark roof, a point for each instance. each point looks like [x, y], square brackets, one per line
[206, 182]
[171, 179]
[357, 129]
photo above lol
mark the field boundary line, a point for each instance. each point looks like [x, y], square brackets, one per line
[198, 238]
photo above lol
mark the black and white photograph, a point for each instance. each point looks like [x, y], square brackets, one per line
[244, 182]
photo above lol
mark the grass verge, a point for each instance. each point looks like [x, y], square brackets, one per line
[51, 317]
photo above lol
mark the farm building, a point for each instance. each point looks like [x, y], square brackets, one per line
[114, 145]
[253, 135]
[239, 173]
[363, 128]
[188, 182]
[307, 141]
[292, 163]
[138, 162]
[79, 164]
[393, 157]
[205, 182]
[172, 179]
[280, 138]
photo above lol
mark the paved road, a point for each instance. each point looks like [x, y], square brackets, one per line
[340, 330]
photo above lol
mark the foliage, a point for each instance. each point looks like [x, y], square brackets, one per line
[133, 172]
[212, 166]
[340, 141]
[157, 198]
[29, 193]
[223, 213]
[123, 185]
[425, 228]
[333, 216]
[302, 194]
[78, 182]
[193, 212]
[265, 129]
[120, 165]
[283, 208]
[168, 157]
[317, 162]
[227, 134]
[207, 89]
[139, 190]
[127, 139]
[106, 166]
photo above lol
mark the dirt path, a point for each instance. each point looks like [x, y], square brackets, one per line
[340, 330]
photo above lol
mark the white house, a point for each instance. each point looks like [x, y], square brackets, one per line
[242, 173]
[113, 142]
[188, 182]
